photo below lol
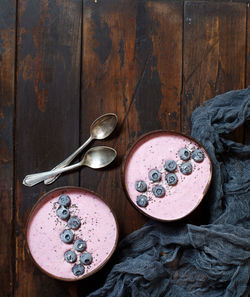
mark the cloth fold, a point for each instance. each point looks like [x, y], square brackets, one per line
[173, 260]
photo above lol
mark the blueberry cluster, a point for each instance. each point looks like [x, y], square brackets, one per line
[171, 178]
[67, 236]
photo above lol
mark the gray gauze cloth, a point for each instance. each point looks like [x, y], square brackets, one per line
[163, 259]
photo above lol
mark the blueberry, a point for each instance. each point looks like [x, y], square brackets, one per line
[80, 245]
[67, 236]
[171, 179]
[63, 213]
[70, 256]
[86, 258]
[141, 186]
[198, 155]
[74, 223]
[78, 269]
[170, 165]
[64, 200]
[154, 175]
[158, 191]
[184, 154]
[186, 168]
[142, 200]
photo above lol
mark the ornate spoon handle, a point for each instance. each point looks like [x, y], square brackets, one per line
[33, 179]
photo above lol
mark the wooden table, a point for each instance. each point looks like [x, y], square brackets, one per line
[65, 62]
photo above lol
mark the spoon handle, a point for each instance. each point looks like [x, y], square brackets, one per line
[66, 162]
[33, 179]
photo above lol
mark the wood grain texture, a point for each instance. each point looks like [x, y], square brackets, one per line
[7, 98]
[214, 53]
[47, 123]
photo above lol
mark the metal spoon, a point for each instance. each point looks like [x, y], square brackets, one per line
[101, 128]
[96, 157]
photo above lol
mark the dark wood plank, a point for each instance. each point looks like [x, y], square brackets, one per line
[47, 125]
[214, 53]
[132, 65]
[7, 94]
[167, 52]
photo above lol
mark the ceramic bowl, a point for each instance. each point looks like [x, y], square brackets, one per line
[98, 229]
[150, 152]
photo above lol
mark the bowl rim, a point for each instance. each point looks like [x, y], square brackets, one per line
[129, 151]
[41, 198]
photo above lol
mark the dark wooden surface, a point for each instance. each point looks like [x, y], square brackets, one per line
[63, 63]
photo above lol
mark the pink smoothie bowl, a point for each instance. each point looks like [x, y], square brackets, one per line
[98, 228]
[151, 152]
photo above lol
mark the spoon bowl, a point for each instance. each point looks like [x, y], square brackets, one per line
[103, 126]
[99, 157]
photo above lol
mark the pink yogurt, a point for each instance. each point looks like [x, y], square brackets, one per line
[151, 152]
[98, 229]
